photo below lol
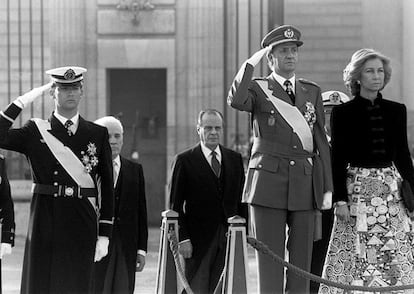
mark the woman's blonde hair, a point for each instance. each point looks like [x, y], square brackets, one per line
[352, 72]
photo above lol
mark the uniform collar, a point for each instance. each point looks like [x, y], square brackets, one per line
[281, 80]
[62, 119]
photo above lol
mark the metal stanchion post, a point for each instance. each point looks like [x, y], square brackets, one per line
[236, 265]
[166, 274]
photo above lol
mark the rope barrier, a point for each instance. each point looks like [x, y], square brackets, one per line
[262, 248]
[172, 238]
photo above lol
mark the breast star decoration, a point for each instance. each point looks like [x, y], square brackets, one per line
[89, 158]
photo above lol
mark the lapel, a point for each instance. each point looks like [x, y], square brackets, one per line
[82, 128]
[120, 177]
[277, 90]
[226, 173]
[301, 93]
[57, 129]
[122, 181]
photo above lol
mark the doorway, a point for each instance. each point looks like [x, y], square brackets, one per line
[138, 98]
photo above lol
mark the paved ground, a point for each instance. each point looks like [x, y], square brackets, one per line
[145, 281]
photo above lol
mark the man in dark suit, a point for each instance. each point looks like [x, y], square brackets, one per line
[71, 166]
[289, 170]
[205, 190]
[115, 273]
[6, 211]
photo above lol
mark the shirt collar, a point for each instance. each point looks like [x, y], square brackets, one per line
[207, 152]
[281, 80]
[62, 119]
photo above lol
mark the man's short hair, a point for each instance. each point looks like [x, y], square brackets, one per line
[209, 111]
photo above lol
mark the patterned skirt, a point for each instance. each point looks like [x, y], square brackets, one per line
[375, 249]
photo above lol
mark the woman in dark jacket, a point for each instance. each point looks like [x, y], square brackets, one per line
[372, 235]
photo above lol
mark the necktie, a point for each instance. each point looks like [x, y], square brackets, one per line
[289, 91]
[67, 125]
[115, 169]
[215, 164]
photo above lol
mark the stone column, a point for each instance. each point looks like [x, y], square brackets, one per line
[199, 61]
[407, 54]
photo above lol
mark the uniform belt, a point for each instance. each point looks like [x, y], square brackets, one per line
[64, 191]
[279, 150]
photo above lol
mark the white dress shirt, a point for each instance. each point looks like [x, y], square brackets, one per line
[207, 153]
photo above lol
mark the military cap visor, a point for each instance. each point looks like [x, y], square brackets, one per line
[282, 34]
[67, 75]
[331, 98]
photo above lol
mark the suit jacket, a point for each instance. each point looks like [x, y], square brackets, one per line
[62, 230]
[202, 201]
[6, 206]
[130, 221]
[279, 174]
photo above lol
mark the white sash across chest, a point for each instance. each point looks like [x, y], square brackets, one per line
[292, 116]
[70, 162]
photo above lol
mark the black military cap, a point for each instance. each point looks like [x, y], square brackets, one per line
[282, 34]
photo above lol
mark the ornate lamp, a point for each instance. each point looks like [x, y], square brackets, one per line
[135, 6]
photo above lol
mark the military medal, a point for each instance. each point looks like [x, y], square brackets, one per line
[271, 120]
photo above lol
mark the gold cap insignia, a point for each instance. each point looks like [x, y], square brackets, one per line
[69, 74]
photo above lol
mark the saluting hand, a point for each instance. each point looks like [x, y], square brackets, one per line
[185, 248]
[30, 96]
[256, 57]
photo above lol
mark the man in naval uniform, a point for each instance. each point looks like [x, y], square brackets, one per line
[71, 213]
[6, 212]
[289, 171]
[320, 247]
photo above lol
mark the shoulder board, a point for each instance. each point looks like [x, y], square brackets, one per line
[38, 119]
[308, 82]
[259, 79]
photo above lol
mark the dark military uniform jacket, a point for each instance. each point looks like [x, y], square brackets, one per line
[62, 234]
[6, 206]
[280, 174]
